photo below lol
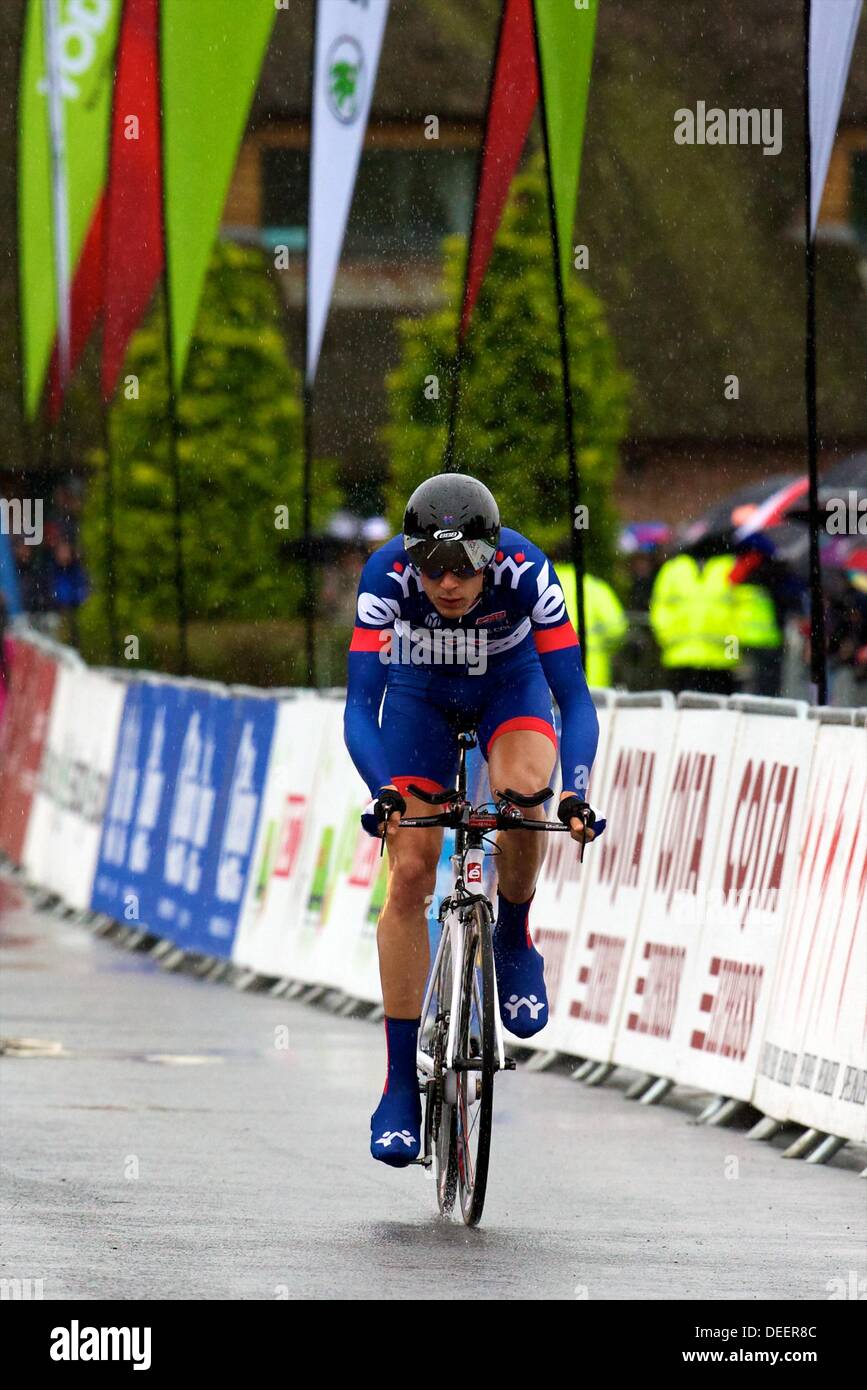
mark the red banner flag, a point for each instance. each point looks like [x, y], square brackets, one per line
[134, 221]
[85, 302]
[514, 94]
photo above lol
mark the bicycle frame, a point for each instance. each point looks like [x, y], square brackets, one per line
[467, 867]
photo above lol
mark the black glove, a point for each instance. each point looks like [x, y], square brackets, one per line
[574, 806]
[388, 800]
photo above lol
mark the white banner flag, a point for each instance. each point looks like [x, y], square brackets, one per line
[833, 26]
[348, 42]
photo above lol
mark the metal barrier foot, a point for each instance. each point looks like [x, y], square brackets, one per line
[765, 1128]
[803, 1143]
[540, 1060]
[713, 1105]
[661, 1087]
[725, 1112]
[827, 1149]
[600, 1073]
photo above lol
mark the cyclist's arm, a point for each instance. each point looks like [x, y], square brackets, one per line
[560, 655]
[579, 725]
[376, 611]
[364, 691]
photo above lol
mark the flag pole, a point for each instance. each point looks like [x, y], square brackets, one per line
[458, 360]
[576, 532]
[59, 192]
[309, 599]
[108, 445]
[59, 212]
[174, 422]
[818, 658]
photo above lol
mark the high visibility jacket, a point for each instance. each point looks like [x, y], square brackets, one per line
[605, 620]
[694, 613]
[757, 624]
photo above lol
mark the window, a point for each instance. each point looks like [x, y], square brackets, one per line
[405, 201]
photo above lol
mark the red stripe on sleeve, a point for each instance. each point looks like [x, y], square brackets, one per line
[552, 639]
[369, 639]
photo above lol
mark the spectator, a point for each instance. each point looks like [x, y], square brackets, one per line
[694, 619]
[605, 620]
[69, 584]
[34, 581]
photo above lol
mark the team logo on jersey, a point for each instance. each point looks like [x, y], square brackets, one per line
[551, 606]
[376, 611]
[404, 578]
[491, 617]
[509, 566]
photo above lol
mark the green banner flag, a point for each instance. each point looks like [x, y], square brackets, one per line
[211, 52]
[565, 33]
[58, 193]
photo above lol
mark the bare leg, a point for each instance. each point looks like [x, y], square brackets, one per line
[402, 933]
[522, 760]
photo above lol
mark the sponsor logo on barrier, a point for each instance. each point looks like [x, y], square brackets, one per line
[74, 785]
[553, 945]
[658, 987]
[628, 811]
[761, 823]
[731, 1008]
[365, 860]
[599, 978]
[818, 1074]
[240, 821]
[291, 832]
[682, 839]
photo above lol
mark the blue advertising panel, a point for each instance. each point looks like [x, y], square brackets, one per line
[182, 812]
[189, 809]
[210, 921]
[129, 868]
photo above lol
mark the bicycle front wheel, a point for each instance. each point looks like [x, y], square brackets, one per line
[476, 1063]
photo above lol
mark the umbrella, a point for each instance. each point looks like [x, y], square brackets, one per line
[643, 536]
[772, 511]
[845, 476]
[721, 519]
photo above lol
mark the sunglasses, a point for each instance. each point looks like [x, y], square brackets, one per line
[466, 571]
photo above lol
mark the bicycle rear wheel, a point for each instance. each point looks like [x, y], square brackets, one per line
[475, 1045]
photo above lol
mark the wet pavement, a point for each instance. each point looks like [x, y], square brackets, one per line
[177, 1139]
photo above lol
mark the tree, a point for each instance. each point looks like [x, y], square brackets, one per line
[510, 427]
[241, 465]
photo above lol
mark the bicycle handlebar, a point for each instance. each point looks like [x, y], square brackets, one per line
[478, 820]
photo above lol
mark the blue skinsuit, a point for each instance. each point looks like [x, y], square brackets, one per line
[508, 654]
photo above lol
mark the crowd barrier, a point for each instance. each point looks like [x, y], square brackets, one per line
[715, 937]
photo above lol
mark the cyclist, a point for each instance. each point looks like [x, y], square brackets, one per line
[460, 624]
